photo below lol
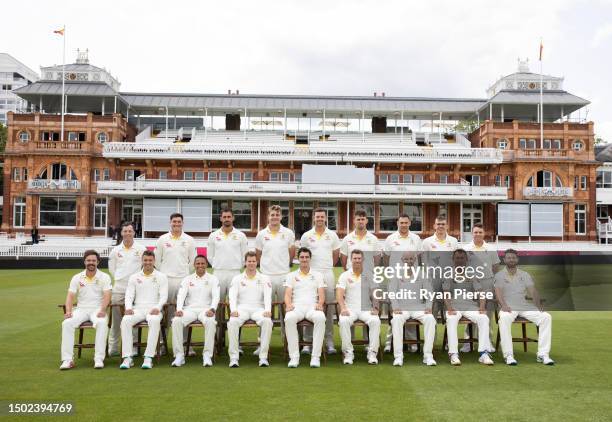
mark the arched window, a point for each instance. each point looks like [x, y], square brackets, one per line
[24, 136]
[544, 179]
[58, 171]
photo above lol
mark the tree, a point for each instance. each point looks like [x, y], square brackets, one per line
[599, 140]
[3, 137]
[466, 126]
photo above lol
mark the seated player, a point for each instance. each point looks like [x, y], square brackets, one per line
[412, 308]
[461, 289]
[145, 297]
[197, 299]
[304, 299]
[92, 289]
[511, 286]
[348, 295]
[250, 297]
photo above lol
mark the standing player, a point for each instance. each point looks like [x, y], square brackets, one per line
[250, 297]
[412, 307]
[325, 247]
[484, 256]
[511, 286]
[197, 299]
[124, 260]
[175, 252]
[92, 290]
[361, 239]
[304, 299]
[145, 297]
[275, 247]
[349, 296]
[225, 251]
[460, 287]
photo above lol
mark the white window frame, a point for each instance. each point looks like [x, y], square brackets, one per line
[102, 137]
[24, 136]
[100, 208]
[19, 207]
[580, 218]
[502, 143]
[577, 145]
[76, 212]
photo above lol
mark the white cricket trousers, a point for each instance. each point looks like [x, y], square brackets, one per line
[179, 324]
[79, 316]
[429, 331]
[233, 329]
[309, 313]
[330, 296]
[543, 320]
[278, 290]
[481, 320]
[346, 322]
[127, 339]
[225, 279]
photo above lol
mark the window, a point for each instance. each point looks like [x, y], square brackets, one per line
[242, 214]
[297, 177]
[546, 144]
[544, 179]
[50, 136]
[498, 180]
[604, 178]
[76, 136]
[199, 175]
[106, 174]
[580, 218]
[284, 211]
[212, 176]
[248, 176]
[407, 178]
[442, 209]
[162, 175]
[223, 176]
[130, 175]
[59, 171]
[383, 179]
[415, 211]
[102, 137]
[473, 179]
[368, 207]
[527, 143]
[279, 177]
[394, 178]
[96, 175]
[507, 180]
[502, 143]
[24, 136]
[19, 211]
[16, 174]
[100, 213]
[575, 182]
[24, 174]
[331, 208]
[284, 177]
[418, 178]
[583, 183]
[556, 144]
[188, 175]
[57, 212]
[131, 210]
[444, 178]
[388, 217]
[577, 145]
[217, 206]
[236, 177]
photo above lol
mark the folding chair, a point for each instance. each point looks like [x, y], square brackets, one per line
[301, 325]
[365, 340]
[162, 339]
[87, 325]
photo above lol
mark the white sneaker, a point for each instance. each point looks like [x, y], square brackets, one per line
[491, 350]
[191, 352]
[263, 362]
[485, 359]
[546, 360]
[413, 348]
[398, 362]
[387, 348]
[179, 360]
[67, 364]
[293, 363]
[465, 348]
[315, 362]
[126, 364]
[429, 361]
[256, 352]
[511, 361]
[98, 364]
[306, 350]
[234, 363]
[348, 360]
[372, 359]
[454, 359]
[147, 363]
[207, 361]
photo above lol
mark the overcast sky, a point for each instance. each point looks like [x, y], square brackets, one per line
[404, 48]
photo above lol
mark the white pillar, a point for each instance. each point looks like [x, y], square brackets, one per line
[363, 125]
[205, 127]
[166, 133]
[323, 124]
[103, 105]
[258, 214]
[245, 122]
[115, 105]
[460, 221]
[285, 125]
[402, 128]
[562, 113]
[502, 113]
[348, 216]
[490, 111]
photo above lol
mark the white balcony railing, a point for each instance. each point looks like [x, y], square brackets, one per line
[301, 190]
[316, 151]
[562, 192]
[50, 184]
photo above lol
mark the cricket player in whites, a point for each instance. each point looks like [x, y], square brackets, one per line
[349, 296]
[460, 305]
[92, 290]
[412, 308]
[360, 238]
[250, 297]
[225, 251]
[197, 299]
[124, 260]
[304, 299]
[175, 252]
[511, 286]
[325, 247]
[483, 255]
[275, 247]
[145, 297]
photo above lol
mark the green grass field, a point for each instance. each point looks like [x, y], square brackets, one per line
[577, 388]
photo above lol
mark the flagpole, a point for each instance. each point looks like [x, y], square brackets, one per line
[63, 82]
[541, 99]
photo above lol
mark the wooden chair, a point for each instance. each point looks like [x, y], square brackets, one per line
[365, 340]
[87, 325]
[409, 323]
[301, 325]
[524, 339]
[249, 323]
[463, 321]
[162, 339]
